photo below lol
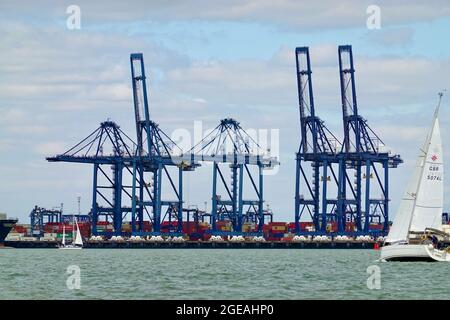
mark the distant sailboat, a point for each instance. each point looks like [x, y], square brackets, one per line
[418, 223]
[76, 244]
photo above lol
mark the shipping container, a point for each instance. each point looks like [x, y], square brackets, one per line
[206, 236]
[249, 227]
[272, 239]
[60, 235]
[305, 225]
[50, 235]
[332, 226]
[277, 235]
[376, 227]
[278, 224]
[223, 223]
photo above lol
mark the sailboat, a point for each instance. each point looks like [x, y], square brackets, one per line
[417, 228]
[76, 244]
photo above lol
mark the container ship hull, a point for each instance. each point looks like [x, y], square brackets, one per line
[5, 227]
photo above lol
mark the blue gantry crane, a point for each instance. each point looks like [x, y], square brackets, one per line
[356, 169]
[364, 157]
[156, 155]
[40, 216]
[230, 145]
[107, 147]
[318, 150]
[146, 163]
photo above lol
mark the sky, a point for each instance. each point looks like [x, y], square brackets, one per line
[208, 60]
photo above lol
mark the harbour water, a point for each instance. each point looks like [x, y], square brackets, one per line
[216, 274]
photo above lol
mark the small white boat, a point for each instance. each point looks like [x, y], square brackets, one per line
[77, 244]
[417, 227]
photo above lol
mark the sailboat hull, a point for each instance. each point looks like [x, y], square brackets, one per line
[413, 252]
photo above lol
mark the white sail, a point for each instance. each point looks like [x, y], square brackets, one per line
[421, 205]
[430, 196]
[78, 238]
[64, 236]
[400, 227]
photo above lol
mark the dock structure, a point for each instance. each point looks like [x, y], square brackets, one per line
[201, 245]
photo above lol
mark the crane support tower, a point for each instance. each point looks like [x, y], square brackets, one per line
[317, 156]
[154, 159]
[365, 160]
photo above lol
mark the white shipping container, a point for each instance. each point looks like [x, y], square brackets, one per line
[47, 239]
[12, 238]
[28, 239]
[50, 235]
[15, 234]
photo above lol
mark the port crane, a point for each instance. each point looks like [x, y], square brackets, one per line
[156, 155]
[107, 149]
[40, 216]
[230, 145]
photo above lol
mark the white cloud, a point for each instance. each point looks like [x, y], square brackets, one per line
[308, 15]
[110, 92]
[390, 37]
[50, 148]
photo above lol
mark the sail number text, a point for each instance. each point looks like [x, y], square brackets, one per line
[434, 173]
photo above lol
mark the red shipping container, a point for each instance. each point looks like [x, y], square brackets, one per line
[303, 225]
[189, 229]
[222, 223]
[195, 237]
[278, 224]
[167, 223]
[375, 227]
[206, 236]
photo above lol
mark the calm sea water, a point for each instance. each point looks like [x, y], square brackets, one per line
[215, 274]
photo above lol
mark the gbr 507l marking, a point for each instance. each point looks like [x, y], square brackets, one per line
[434, 173]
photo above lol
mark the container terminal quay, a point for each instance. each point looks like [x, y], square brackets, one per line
[341, 187]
